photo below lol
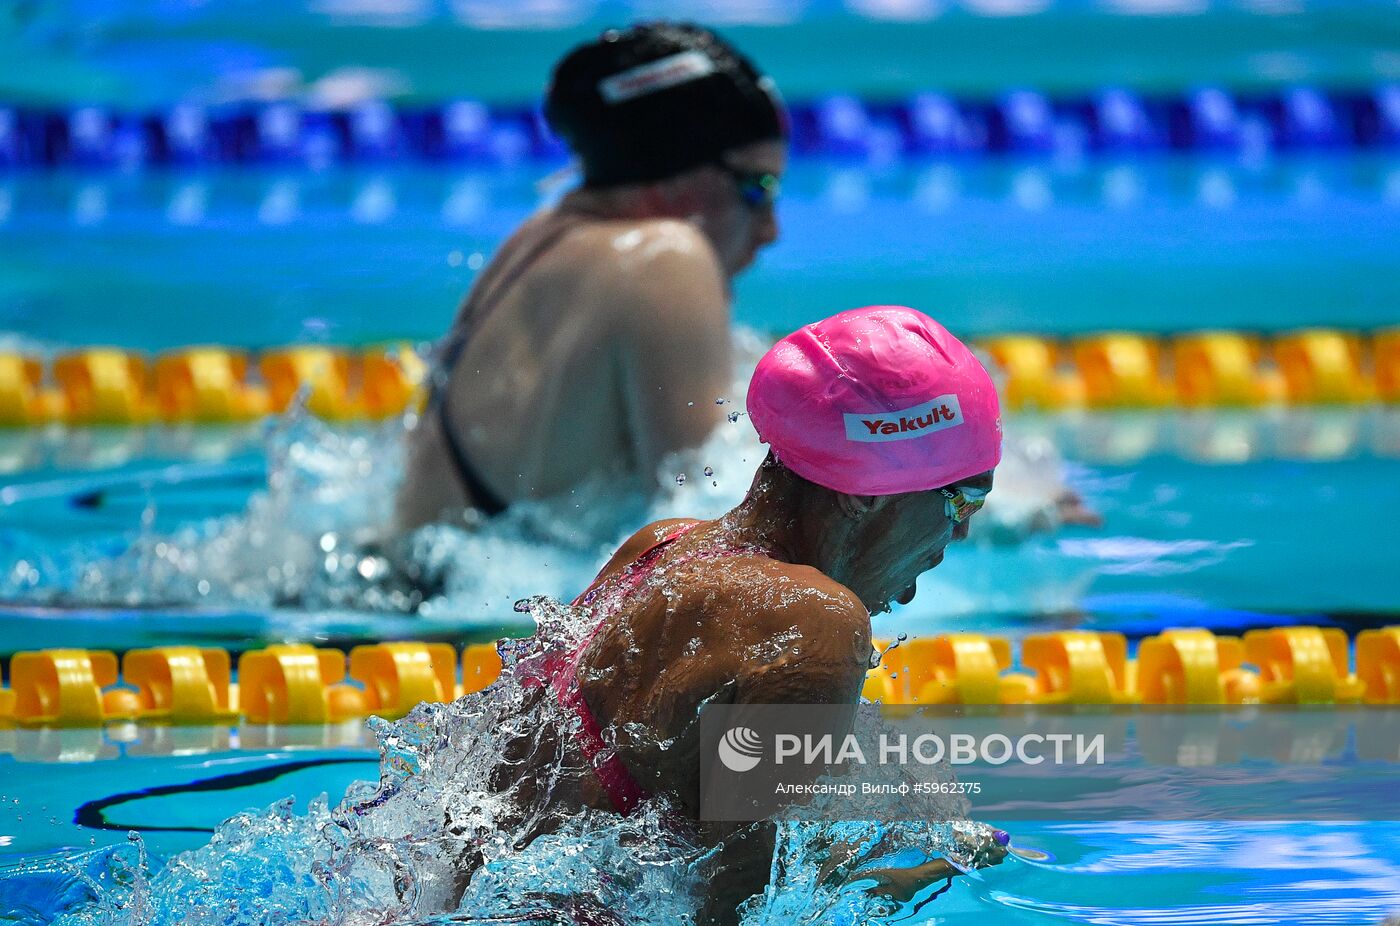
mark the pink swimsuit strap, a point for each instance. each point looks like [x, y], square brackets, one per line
[622, 789]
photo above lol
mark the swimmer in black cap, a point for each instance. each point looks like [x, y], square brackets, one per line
[597, 339]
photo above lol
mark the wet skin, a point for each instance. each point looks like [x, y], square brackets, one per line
[601, 354]
[769, 604]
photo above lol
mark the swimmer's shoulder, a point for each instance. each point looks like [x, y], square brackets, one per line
[644, 540]
[767, 596]
[793, 634]
[645, 261]
[786, 591]
[647, 240]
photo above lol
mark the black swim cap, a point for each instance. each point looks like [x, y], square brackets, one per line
[657, 99]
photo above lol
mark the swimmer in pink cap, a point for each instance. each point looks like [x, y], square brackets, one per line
[877, 401]
[884, 431]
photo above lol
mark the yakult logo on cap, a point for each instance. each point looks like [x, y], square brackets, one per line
[934, 415]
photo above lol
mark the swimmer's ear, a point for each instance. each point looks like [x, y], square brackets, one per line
[857, 507]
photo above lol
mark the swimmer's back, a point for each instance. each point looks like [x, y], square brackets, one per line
[583, 343]
[740, 627]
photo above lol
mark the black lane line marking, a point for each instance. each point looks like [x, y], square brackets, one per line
[93, 499]
[931, 898]
[92, 814]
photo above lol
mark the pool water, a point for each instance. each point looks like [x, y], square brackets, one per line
[65, 841]
[236, 537]
[1212, 518]
[353, 256]
[144, 54]
[1207, 524]
[1277, 532]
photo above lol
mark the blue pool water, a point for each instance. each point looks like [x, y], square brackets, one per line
[241, 536]
[1197, 531]
[142, 54]
[66, 839]
[1167, 243]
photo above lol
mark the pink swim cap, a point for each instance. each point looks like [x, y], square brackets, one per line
[877, 401]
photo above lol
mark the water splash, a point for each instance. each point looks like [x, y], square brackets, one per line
[317, 537]
[397, 850]
[454, 832]
[285, 547]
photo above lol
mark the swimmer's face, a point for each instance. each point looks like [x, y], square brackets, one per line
[737, 227]
[905, 538]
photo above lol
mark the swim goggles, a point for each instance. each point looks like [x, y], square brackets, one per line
[756, 188]
[963, 502]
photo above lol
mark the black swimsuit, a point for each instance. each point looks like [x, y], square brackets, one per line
[450, 349]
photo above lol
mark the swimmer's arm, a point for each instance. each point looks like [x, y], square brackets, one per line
[673, 348]
[904, 884]
[979, 847]
[826, 664]
[833, 621]
[774, 638]
[801, 639]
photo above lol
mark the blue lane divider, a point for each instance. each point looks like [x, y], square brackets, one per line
[1020, 121]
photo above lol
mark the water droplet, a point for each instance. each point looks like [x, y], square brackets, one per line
[709, 471]
[680, 479]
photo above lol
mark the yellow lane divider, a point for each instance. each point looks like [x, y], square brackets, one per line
[1079, 667]
[397, 676]
[1191, 666]
[1112, 370]
[959, 668]
[294, 683]
[64, 687]
[1120, 371]
[1303, 665]
[179, 684]
[322, 371]
[101, 386]
[291, 684]
[1199, 369]
[22, 399]
[1221, 369]
[1386, 358]
[1378, 664]
[207, 385]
